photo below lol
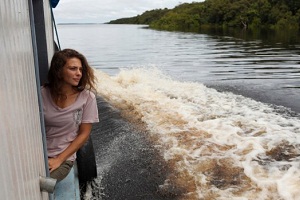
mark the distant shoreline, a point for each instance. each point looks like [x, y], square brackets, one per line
[78, 23]
[105, 23]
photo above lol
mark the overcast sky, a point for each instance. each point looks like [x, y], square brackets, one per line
[101, 11]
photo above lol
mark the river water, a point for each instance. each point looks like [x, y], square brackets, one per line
[263, 67]
[223, 110]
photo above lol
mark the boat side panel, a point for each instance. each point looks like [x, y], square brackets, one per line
[21, 151]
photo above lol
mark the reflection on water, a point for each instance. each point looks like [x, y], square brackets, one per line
[286, 38]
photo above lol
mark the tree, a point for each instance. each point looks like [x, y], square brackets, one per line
[253, 14]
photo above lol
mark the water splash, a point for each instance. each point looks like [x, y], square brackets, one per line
[220, 145]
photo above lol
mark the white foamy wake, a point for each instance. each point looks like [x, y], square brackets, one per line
[221, 145]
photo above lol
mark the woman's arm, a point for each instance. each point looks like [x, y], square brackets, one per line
[83, 135]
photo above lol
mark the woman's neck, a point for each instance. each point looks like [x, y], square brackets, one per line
[67, 97]
[68, 90]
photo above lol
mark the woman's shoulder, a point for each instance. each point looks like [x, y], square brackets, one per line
[88, 94]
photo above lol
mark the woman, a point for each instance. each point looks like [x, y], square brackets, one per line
[70, 108]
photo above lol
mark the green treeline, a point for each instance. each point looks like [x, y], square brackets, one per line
[146, 18]
[252, 14]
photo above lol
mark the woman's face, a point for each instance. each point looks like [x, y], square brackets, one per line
[72, 72]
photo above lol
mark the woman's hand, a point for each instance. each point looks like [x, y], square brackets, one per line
[54, 163]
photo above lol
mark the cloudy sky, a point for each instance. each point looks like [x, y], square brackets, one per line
[100, 11]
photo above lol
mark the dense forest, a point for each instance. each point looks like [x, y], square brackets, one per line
[247, 14]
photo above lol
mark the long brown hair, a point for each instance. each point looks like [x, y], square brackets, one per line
[55, 79]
